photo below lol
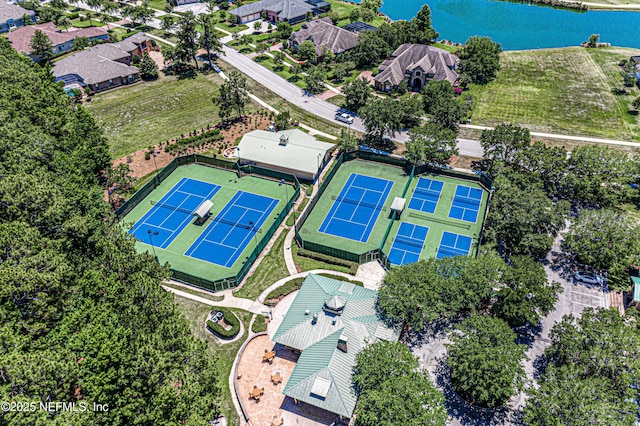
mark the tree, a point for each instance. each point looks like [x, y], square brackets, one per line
[278, 59]
[283, 120]
[341, 70]
[80, 43]
[485, 361]
[411, 108]
[503, 145]
[307, 51]
[480, 59]
[357, 94]
[440, 104]
[138, 14]
[326, 55]
[207, 39]
[592, 371]
[605, 240]
[166, 23]
[636, 103]
[261, 48]
[525, 295]
[187, 43]
[593, 40]
[372, 5]
[429, 290]
[64, 21]
[354, 15]
[367, 15]
[423, 31]
[41, 47]
[314, 80]
[388, 368]
[522, 219]
[431, 143]
[284, 30]
[257, 26]
[369, 49]
[232, 97]
[148, 68]
[334, 16]
[381, 117]
[347, 140]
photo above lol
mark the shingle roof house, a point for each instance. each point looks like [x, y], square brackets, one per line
[99, 67]
[330, 322]
[60, 41]
[277, 10]
[419, 63]
[323, 33]
[11, 16]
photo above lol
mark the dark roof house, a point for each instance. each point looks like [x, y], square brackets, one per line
[419, 63]
[11, 16]
[98, 68]
[60, 41]
[323, 33]
[330, 322]
[277, 10]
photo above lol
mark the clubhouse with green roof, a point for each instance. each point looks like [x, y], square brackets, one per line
[329, 322]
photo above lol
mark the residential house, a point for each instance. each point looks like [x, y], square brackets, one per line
[12, 16]
[291, 11]
[330, 322]
[323, 33]
[98, 68]
[418, 64]
[137, 44]
[61, 41]
[291, 151]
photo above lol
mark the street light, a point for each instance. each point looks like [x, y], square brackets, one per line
[286, 191]
[151, 241]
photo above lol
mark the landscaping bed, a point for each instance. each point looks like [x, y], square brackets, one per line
[223, 323]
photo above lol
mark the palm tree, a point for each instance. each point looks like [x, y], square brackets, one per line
[64, 21]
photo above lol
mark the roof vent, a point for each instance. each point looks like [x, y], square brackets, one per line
[307, 312]
[334, 320]
[284, 139]
[343, 343]
[315, 319]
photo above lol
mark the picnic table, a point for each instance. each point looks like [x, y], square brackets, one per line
[276, 378]
[256, 393]
[268, 356]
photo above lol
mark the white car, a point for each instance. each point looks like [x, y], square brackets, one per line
[345, 118]
[588, 278]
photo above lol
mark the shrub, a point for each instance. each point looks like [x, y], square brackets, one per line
[353, 266]
[147, 155]
[230, 319]
[259, 324]
[309, 190]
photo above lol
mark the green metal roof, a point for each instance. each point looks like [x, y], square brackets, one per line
[317, 337]
[636, 289]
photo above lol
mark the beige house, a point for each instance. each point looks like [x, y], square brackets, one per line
[323, 33]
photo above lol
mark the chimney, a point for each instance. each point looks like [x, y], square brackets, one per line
[284, 139]
[343, 343]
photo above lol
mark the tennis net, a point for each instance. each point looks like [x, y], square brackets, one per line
[434, 194]
[170, 207]
[467, 201]
[408, 241]
[359, 203]
[248, 227]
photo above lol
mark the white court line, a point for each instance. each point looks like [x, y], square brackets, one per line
[584, 304]
[587, 294]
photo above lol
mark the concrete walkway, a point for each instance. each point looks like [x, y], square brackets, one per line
[229, 301]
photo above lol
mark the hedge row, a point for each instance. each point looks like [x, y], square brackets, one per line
[194, 141]
[285, 289]
[353, 266]
[259, 324]
[230, 319]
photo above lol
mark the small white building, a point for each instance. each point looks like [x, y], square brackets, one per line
[290, 151]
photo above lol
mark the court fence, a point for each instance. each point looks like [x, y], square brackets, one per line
[409, 169]
[256, 171]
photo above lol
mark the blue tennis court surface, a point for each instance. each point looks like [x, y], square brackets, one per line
[232, 229]
[408, 244]
[426, 195]
[453, 245]
[169, 216]
[466, 203]
[356, 209]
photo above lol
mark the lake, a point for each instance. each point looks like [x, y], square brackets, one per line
[521, 26]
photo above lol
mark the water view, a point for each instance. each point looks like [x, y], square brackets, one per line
[522, 26]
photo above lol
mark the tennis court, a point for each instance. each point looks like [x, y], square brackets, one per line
[408, 244]
[426, 195]
[173, 212]
[356, 209]
[453, 245]
[229, 233]
[466, 203]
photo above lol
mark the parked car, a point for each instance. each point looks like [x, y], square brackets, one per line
[588, 277]
[345, 118]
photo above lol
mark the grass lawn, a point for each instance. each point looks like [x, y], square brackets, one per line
[567, 91]
[344, 9]
[337, 100]
[282, 70]
[308, 264]
[134, 117]
[204, 294]
[271, 269]
[196, 315]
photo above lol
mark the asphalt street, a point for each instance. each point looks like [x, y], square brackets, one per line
[296, 96]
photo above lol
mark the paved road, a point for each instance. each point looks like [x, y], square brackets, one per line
[295, 95]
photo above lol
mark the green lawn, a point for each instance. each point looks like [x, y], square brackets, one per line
[196, 315]
[567, 91]
[344, 9]
[144, 114]
[196, 292]
[337, 100]
[271, 269]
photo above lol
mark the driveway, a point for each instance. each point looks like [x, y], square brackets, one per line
[295, 95]
[429, 344]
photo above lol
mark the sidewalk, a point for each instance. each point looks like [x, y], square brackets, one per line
[230, 301]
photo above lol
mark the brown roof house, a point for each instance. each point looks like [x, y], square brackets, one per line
[11, 16]
[419, 64]
[98, 68]
[323, 33]
[60, 41]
